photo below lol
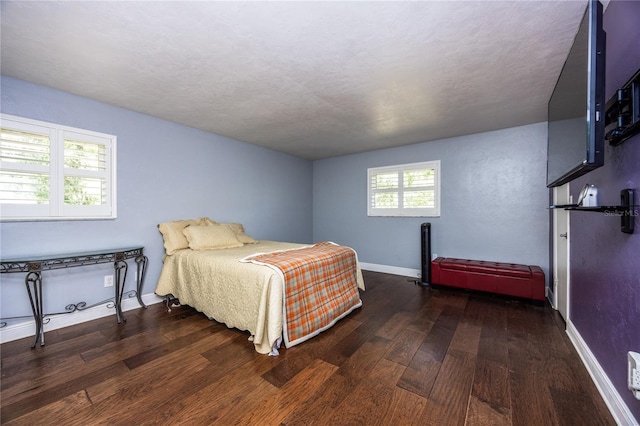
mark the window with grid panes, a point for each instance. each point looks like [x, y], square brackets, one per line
[50, 172]
[404, 190]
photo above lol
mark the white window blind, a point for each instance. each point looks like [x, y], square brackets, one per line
[49, 172]
[404, 190]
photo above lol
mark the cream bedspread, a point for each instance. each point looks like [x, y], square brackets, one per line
[241, 295]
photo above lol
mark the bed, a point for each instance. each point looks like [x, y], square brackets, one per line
[222, 272]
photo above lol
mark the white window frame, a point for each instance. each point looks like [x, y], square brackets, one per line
[401, 211]
[57, 209]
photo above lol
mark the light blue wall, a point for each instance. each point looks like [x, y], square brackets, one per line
[494, 201]
[166, 171]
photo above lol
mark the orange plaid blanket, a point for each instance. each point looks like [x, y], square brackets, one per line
[320, 287]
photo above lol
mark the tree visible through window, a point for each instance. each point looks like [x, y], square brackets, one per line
[405, 190]
[82, 156]
[48, 171]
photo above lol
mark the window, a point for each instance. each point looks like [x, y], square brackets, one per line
[405, 190]
[49, 172]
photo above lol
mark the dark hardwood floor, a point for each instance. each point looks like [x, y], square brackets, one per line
[410, 355]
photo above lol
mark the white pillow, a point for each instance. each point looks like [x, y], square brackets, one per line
[208, 237]
[241, 235]
[173, 236]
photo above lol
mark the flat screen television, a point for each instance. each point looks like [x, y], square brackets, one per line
[576, 121]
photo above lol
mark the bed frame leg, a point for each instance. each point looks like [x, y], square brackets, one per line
[170, 300]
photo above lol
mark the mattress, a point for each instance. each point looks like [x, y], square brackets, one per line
[242, 295]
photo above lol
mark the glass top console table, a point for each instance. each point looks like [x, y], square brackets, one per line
[34, 266]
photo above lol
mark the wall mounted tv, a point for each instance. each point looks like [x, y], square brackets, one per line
[576, 108]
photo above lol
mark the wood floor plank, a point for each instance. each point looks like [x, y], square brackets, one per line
[361, 363]
[536, 408]
[293, 360]
[396, 324]
[425, 365]
[288, 366]
[322, 404]
[146, 379]
[125, 348]
[149, 382]
[405, 346]
[466, 337]
[186, 326]
[491, 385]
[420, 374]
[493, 344]
[477, 307]
[404, 408]
[572, 408]
[387, 372]
[411, 355]
[481, 412]
[560, 374]
[131, 327]
[210, 406]
[585, 384]
[329, 397]
[53, 412]
[41, 363]
[346, 347]
[201, 403]
[437, 341]
[143, 357]
[154, 408]
[52, 394]
[367, 404]
[37, 378]
[45, 358]
[450, 394]
[526, 372]
[274, 409]
[426, 317]
[453, 298]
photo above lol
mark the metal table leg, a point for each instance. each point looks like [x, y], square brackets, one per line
[120, 266]
[141, 271]
[33, 281]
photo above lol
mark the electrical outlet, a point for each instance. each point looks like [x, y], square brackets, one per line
[108, 280]
[634, 373]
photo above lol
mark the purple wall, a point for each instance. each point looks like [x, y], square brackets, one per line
[605, 263]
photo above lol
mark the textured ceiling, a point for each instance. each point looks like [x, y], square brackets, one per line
[314, 79]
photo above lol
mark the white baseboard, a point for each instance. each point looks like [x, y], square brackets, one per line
[550, 297]
[395, 270]
[28, 328]
[619, 410]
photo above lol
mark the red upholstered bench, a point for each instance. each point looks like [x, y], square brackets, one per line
[501, 278]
